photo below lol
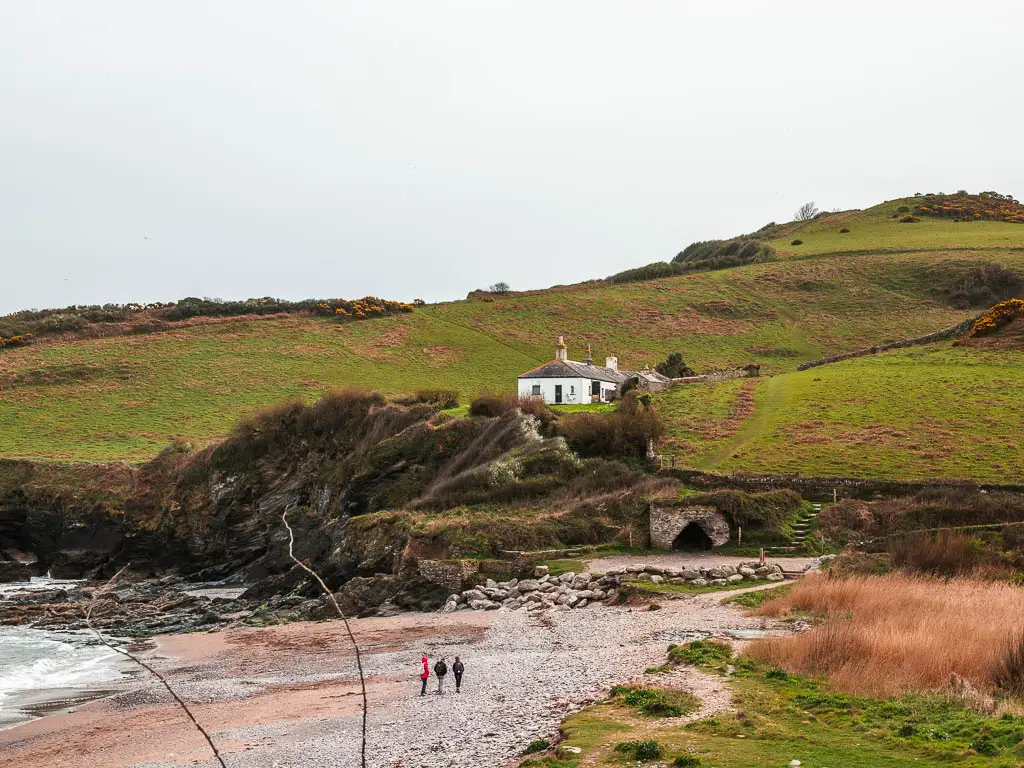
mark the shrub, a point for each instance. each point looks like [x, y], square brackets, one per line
[701, 653]
[768, 510]
[985, 286]
[686, 761]
[1002, 313]
[903, 209]
[674, 366]
[535, 746]
[624, 432]
[656, 702]
[909, 219]
[986, 205]
[797, 242]
[844, 230]
[443, 398]
[500, 287]
[716, 254]
[646, 749]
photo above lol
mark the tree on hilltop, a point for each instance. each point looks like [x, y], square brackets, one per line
[807, 211]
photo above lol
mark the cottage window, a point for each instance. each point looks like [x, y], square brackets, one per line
[536, 389]
[572, 390]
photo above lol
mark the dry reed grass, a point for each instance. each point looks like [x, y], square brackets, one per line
[886, 635]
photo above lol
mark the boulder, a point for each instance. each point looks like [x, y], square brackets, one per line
[643, 577]
[567, 577]
[582, 603]
[12, 570]
[572, 599]
[718, 572]
[634, 568]
[699, 582]
[474, 594]
[734, 578]
[548, 586]
[482, 605]
[581, 581]
[657, 579]
[456, 598]
[689, 574]
[491, 584]
[677, 580]
[655, 569]
[718, 582]
[513, 605]
[528, 585]
[746, 570]
[776, 577]
[539, 571]
[449, 607]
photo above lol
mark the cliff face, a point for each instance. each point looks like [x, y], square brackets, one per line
[364, 483]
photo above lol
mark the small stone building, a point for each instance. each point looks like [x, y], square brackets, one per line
[676, 525]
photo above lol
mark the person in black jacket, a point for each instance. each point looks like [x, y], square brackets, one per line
[458, 668]
[440, 670]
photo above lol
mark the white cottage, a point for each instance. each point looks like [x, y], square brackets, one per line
[568, 381]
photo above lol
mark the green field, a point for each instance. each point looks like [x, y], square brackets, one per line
[127, 397]
[875, 229]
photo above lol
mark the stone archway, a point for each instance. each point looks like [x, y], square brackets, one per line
[692, 537]
[677, 526]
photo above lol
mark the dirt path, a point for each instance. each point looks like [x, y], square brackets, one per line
[287, 697]
[689, 559]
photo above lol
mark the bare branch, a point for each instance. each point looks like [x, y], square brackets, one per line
[88, 621]
[348, 629]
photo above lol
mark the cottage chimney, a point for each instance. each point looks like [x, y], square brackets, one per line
[589, 359]
[561, 351]
[611, 362]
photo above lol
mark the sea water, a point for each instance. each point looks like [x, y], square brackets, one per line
[36, 662]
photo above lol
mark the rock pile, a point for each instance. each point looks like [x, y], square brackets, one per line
[578, 590]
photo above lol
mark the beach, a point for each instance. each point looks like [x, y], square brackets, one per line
[289, 695]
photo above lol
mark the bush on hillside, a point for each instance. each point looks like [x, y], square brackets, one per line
[146, 318]
[490, 405]
[985, 286]
[715, 254]
[844, 230]
[768, 510]
[991, 206]
[797, 242]
[903, 209]
[998, 316]
[909, 219]
[674, 366]
[442, 398]
[624, 432]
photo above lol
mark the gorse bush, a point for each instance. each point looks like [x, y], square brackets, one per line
[797, 242]
[1001, 314]
[909, 219]
[114, 319]
[991, 206]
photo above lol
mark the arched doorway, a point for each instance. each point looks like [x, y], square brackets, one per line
[692, 536]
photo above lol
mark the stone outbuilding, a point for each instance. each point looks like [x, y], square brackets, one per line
[687, 526]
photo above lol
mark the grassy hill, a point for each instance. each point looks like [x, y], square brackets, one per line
[126, 397]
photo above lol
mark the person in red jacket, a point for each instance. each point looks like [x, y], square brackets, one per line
[425, 675]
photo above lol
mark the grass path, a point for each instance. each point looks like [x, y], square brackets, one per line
[769, 395]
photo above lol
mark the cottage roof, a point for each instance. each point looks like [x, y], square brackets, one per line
[570, 369]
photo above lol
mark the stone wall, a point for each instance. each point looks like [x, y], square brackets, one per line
[669, 520]
[946, 333]
[823, 488]
[453, 575]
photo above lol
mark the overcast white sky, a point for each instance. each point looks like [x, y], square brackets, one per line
[234, 148]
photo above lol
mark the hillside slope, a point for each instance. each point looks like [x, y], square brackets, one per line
[126, 397]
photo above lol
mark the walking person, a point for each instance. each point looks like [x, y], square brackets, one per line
[457, 669]
[424, 676]
[440, 669]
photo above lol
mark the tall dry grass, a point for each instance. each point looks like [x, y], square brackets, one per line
[885, 635]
